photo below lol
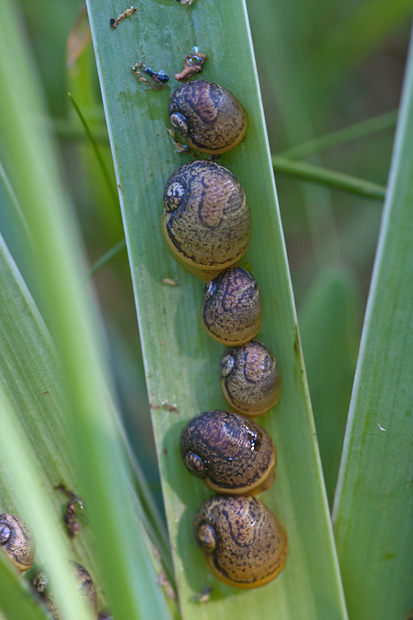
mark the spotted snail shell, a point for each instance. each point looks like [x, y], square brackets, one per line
[229, 453]
[232, 308]
[250, 380]
[16, 541]
[207, 222]
[245, 545]
[208, 116]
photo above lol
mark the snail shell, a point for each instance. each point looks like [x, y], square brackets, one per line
[250, 380]
[208, 116]
[16, 541]
[84, 588]
[245, 545]
[229, 453]
[207, 222]
[232, 308]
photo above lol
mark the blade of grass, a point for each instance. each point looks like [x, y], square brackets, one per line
[16, 598]
[322, 176]
[103, 260]
[374, 503]
[128, 574]
[13, 200]
[105, 171]
[181, 361]
[343, 136]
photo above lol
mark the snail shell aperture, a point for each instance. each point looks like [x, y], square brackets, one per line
[232, 308]
[245, 545]
[16, 541]
[207, 222]
[250, 380]
[229, 453]
[208, 116]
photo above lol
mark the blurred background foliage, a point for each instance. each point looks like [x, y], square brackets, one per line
[323, 66]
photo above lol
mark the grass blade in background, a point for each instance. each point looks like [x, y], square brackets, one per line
[374, 503]
[322, 176]
[98, 453]
[181, 361]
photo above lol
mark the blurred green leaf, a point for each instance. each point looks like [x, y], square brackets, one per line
[17, 600]
[98, 454]
[329, 321]
[322, 176]
[369, 22]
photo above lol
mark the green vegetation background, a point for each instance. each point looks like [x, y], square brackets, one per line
[323, 66]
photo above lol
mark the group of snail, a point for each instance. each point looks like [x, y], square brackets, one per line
[207, 226]
[18, 545]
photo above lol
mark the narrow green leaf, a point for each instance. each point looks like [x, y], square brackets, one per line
[181, 361]
[373, 524]
[106, 258]
[101, 161]
[317, 174]
[16, 598]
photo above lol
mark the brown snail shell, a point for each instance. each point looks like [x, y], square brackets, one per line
[229, 453]
[84, 588]
[232, 308]
[16, 541]
[208, 116]
[250, 380]
[245, 545]
[207, 222]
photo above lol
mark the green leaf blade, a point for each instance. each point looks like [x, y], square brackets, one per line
[181, 361]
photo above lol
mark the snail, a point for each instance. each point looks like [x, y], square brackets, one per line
[232, 308]
[207, 222]
[250, 379]
[208, 116]
[245, 545]
[84, 587]
[229, 453]
[16, 541]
